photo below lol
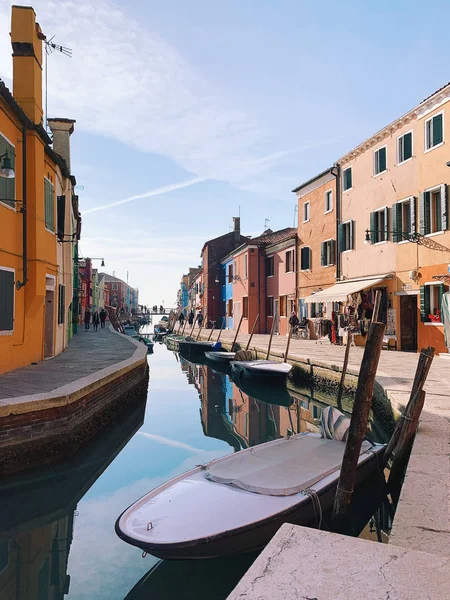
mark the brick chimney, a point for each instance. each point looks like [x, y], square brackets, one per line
[237, 228]
[26, 41]
[62, 129]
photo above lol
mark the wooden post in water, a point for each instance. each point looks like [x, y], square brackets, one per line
[200, 329]
[288, 344]
[252, 332]
[184, 326]
[358, 426]
[237, 333]
[193, 326]
[344, 372]
[213, 324]
[270, 339]
[220, 332]
[376, 306]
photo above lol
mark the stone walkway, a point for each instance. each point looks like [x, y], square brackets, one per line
[88, 352]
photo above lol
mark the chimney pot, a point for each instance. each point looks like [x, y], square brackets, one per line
[237, 228]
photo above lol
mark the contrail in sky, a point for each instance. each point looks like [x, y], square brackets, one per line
[164, 189]
[169, 442]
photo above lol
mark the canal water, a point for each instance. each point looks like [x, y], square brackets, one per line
[57, 537]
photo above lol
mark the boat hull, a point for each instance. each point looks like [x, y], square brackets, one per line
[223, 358]
[252, 369]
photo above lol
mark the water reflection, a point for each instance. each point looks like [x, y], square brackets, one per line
[37, 514]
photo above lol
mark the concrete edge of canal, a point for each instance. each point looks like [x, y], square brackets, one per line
[44, 428]
[421, 528]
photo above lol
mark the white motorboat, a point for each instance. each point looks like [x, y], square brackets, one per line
[261, 368]
[236, 503]
[222, 357]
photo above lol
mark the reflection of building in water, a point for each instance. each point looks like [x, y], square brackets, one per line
[33, 565]
[256, 421]
[37, 513]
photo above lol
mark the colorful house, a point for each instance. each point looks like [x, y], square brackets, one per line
[36, 213]
[226, 278]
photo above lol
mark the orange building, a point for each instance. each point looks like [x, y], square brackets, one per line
[34, 303]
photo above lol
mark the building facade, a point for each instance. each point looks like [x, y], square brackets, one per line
[36, 213]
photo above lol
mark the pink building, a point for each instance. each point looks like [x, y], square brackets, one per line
[263, 277]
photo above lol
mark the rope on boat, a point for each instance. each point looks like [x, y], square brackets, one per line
[144, 554]
[317, 507]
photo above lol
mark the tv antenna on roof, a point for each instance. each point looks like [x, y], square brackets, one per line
[266, 223]
[51, 47]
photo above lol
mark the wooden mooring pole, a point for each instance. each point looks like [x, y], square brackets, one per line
[270, 339]
[200, 329]
[252, 332]
[221, 328]
[358, 426]
[287, 345]
[184, 326]
[237, 333]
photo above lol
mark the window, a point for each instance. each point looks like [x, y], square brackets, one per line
[61, 303]
[245, 307]
[270, 306]
[61, 216]
[328, 201]
[305, 212]
[404, 147]
[403, 218]
[327, 253]
[434, 132]
[245, 266]
[345, 241]
[230, 308]
[6, 300]
[431, 302]
[379, 161]
[305, 258]
[269, 266]
[347, 179]
[316, 309]
[7, 186]
[230, 273]
[283, 306]
[289, 264]
[115, 286]
[433, 210]
[379, 225]
[49, 204]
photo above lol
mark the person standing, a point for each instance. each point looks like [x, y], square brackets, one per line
[181, 318]
[87, 317]
[102, 317]
[191, 317]
[95, 321]
[199, 319]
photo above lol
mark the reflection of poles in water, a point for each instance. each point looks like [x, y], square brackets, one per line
[252, 332]
[290, 419]
[273, 417]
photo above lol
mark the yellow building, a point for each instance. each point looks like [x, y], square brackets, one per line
[35, 203]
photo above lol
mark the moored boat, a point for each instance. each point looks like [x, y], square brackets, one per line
[220, 357]
[236, 503]
[261, 368]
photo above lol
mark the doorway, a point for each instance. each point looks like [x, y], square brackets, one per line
[408, 323]
[49, 323]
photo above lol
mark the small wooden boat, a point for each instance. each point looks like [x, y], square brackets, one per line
[236, 503]
[129, 330]
[261, 368]
[190, 348]
[221, 357]
[145, 340]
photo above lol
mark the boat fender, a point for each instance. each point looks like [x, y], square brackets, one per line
[216, 346]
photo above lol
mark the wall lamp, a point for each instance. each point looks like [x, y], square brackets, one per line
[6, 169]
[81, 261]
[416, 238]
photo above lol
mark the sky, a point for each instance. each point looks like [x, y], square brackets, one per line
[190, 113]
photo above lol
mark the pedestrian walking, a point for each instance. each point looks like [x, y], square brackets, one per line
[95, 321]
[199, 319]
[181, 318]
[191, 318]
[102, 317]
[87, 318]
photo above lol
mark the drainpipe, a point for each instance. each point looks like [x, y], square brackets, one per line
[336, 172]
[20, 284]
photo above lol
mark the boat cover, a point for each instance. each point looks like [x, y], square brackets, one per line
[283, 467]
[334, 425]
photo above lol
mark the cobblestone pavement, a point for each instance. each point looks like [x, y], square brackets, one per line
[88, 352]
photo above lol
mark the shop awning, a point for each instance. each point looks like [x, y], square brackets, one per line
[340, 291]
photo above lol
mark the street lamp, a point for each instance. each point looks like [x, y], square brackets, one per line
[6, 169]
[416, 238]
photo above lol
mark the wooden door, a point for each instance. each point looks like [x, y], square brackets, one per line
[408, 323]
[49, 323]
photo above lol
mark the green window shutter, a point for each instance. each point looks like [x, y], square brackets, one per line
[407, 146]
[382, 159]
[386, 224]
[396, 222]
[333, 257]
[437, 130]
[309, 258]
[444, 208]
[440, 294]
[351, 238]
[61, 216]
[341, 239]
[412, 209]
[323, 254]
[6, 300]
[424, 303]
[49, 202]
[350, 178]
[424, 213]
[373, 228]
